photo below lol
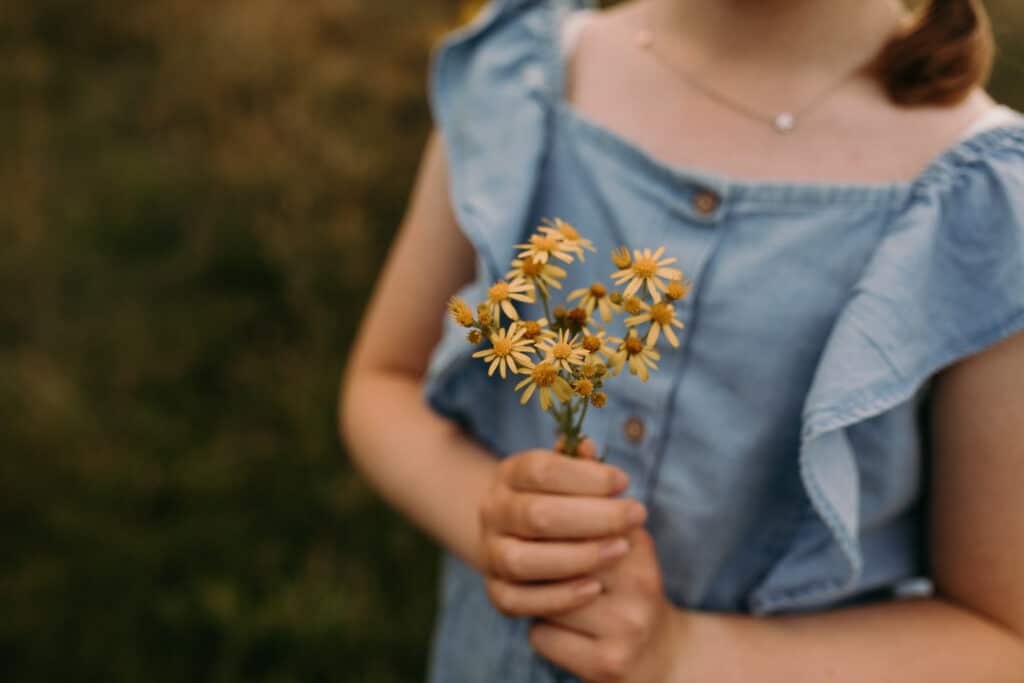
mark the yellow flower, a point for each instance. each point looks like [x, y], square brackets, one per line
[461, 312]
[583, 387]
[596, 342]
[545, 380]
[648, 270]
[568, 235]
[635, 354]
[535, 330]
[595, 296]
[562, 352]
[540, 274]
[599, 399]
[541, 247]
[501, 295]
[661, 316]
[633, 305]
[678, 289]
[475, 337]
[506, 348]
[620, 257]
[593, 369]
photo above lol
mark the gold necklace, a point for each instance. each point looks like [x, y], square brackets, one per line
[782, 122]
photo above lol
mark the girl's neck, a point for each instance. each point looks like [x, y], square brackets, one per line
[778, 34]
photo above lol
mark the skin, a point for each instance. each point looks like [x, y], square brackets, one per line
[542, 529]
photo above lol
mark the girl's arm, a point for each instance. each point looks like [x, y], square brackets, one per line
[972, 631]
[420, 462]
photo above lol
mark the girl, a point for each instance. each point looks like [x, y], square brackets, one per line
[823, 482]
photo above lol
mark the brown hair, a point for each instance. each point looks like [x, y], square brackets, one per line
[942, 55]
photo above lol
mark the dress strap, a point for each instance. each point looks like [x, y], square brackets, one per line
[993, 117]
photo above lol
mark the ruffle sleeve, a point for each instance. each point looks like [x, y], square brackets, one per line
[491, 85]
[945, 282]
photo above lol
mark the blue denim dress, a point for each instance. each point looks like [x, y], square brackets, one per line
[781, 449]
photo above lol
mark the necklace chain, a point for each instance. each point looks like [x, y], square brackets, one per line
[783, 121]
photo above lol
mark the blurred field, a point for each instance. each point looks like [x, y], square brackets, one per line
[196, 198]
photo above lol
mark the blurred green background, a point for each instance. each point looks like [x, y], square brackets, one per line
[197, 195]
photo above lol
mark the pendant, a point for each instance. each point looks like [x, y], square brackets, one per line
[784, 122]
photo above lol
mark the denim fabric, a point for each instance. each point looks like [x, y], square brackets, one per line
[783, 448]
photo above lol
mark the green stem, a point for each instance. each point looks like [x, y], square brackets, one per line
[547, 311]
[583, 414]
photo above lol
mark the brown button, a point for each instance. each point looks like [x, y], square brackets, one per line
[705, 201]
[634, 429]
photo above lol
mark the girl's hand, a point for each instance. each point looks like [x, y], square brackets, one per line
[547, 523]
[629, 634]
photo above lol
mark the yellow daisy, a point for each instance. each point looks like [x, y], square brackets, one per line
[535, 330]
[596, 296]
[507, 347]
[544, 380]
[542, 247]
[563, 352]
[501, 295]
[661, 316]
[570, 237]
[620, 257]
[635, 354]
[540, 274]
[461, 312]
[595, 342]
[647, 269]
[678, 289]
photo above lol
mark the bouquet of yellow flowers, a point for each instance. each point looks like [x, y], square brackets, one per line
[567, 356]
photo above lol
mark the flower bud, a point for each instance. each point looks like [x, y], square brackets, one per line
[678, 289]
[461, 312]
[599, 399]
[620, 257]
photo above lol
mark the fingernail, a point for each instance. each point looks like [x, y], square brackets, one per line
[619, 479]
[637, 514]
[613, 549]
[588, 588]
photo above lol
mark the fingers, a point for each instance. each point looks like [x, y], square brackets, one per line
[587, 450]
[541, 600]
[554, 517]
[586, 657]
[518, 560]
[548, 472]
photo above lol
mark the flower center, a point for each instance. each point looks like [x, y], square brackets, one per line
[591, 343]
[544, 243]
[498, 292]
[645, 267]
[597, 290]
[662, 313]
[578, 317]
[633, 305]
[544, 374]
[502, 346]
[531, 268]
[634, 346]
[584, 387]
[561, 351]
[531, 330]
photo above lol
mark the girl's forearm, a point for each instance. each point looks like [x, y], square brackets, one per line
[420, 462]
[904, 641]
